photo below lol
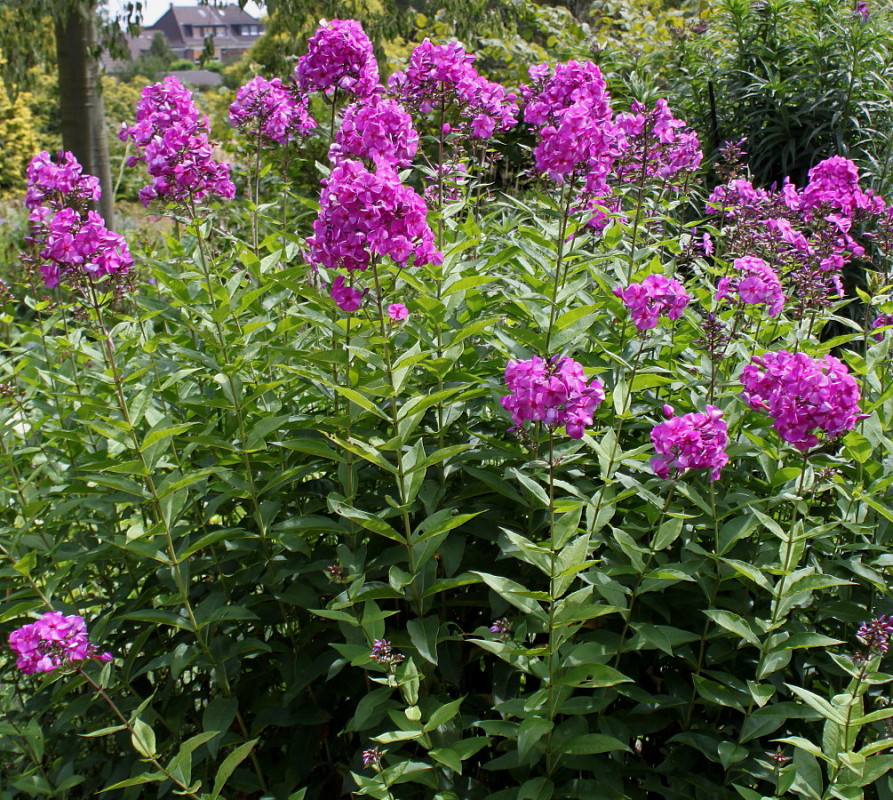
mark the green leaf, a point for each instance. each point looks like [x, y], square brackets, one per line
[734, 623]
[146, 777]
[229, 765]
[443, 714]
[530, 731]
[818, 704]
[142, 737]
[513, 593]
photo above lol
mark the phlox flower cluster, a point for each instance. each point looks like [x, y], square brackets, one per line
[172, 139]
[443, 76]
[804, 396]
[834, 185]
[339, 57]
[268, 112]
[757, 285]
[805, 233]
[692, 441]
[78, 246]
[59, 182]
[654, 297]
[552, 391]
[654, 142]
[346, 297]
[52, 642]
[570, 107]
[364, 215]
[378, 131]
[67, 239]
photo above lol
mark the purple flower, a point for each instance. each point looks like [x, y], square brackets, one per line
[59, 183]
[834, 184]
[398, 311]
[346, 297]
[655, 296]
[571, 109]
[443, 77]
[803, 395]
[875, 635]
[372, 757]
[364, 214]
[172, 139]
[378, 131]
[81, 248]
[862, 11]
[339, 56]
[53, 641]
[502, 628]
[759, 285]
[655, 142]
[692, 441]
[267, 111]
[554, 392]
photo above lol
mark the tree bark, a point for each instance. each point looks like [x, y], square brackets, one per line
[81, 106]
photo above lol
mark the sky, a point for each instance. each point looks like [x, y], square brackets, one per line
[153, 9]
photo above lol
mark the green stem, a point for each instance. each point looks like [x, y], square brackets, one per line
[184, 789]
[401, 473]
[559, 260]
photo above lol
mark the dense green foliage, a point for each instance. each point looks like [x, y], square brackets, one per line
[242, 487]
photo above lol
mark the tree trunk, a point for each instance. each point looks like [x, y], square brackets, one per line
[81, 106]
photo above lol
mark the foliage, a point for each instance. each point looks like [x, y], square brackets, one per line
[324, 565]
[153, 63]
[17, 143]
[798, 79]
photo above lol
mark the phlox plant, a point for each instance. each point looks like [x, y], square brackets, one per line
[417, 489]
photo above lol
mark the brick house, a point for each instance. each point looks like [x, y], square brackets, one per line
[186, 28]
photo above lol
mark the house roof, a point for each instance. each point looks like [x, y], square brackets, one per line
[211, 15]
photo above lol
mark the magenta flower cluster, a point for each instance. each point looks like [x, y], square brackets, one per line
[52, 642]
[834, 185]
[756, 284]
[339, 57]
[59, 182]
[378, 131]
[69, 240]
[442, 77]
[78, 246]
[804, 396]
[172, 139]
[654, 297]
[805, 234]
[365, 215]
[655, 144]
[571, 108]
[268, 112]
[692, 441]
[553, 391]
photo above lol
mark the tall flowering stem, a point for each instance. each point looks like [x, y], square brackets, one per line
[566, 201]
[183, 789]
[395, 424]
